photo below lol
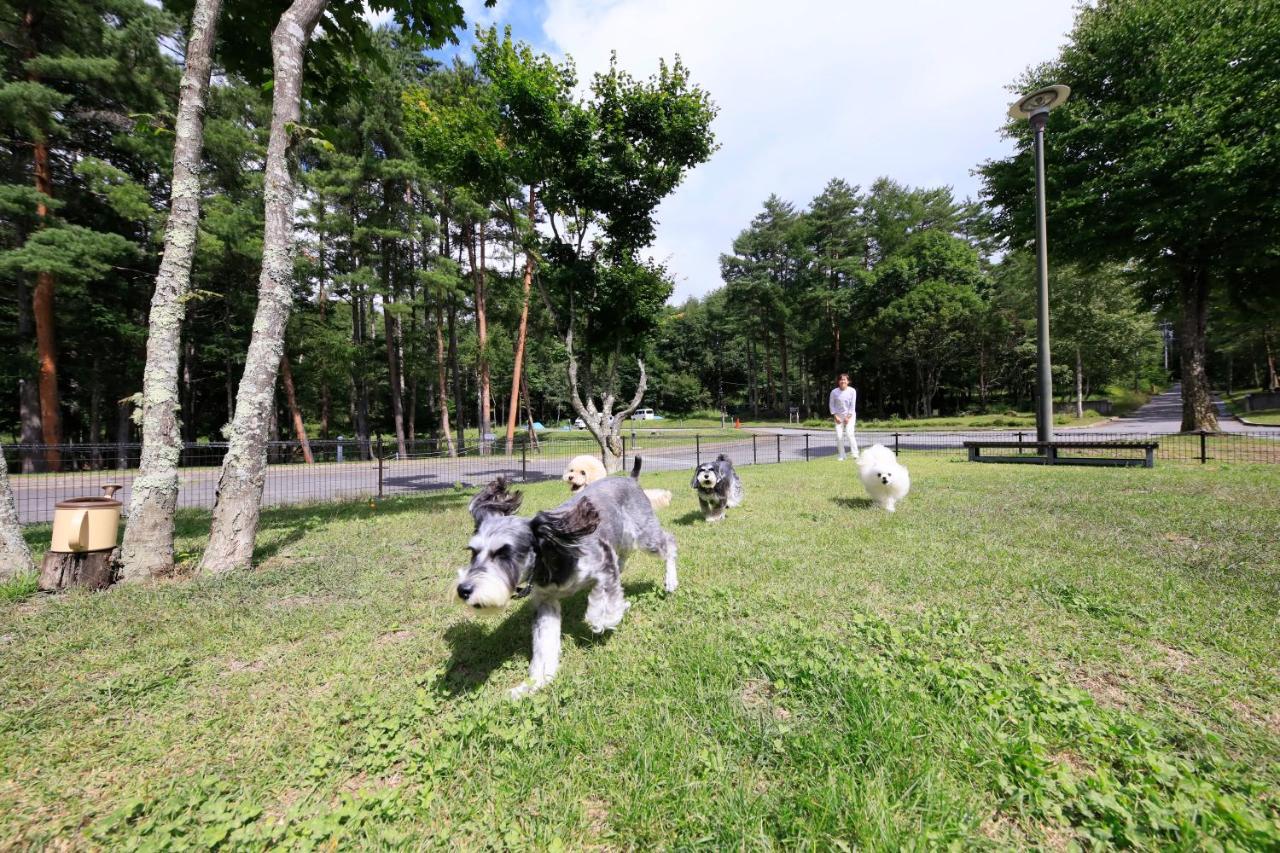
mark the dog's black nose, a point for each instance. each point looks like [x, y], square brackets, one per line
[465, 590]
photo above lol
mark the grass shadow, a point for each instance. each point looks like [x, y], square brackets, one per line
[689, 518]
[195, 522]
[479, 646]
[853, 503]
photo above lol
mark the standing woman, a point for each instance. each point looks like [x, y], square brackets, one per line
[843, 404]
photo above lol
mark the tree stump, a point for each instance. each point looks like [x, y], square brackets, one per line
[88, 569]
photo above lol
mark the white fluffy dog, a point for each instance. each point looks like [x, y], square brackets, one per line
[582, 471]
[885, 480]
[586, 469]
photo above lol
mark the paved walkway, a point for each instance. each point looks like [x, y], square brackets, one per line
[1164, 415]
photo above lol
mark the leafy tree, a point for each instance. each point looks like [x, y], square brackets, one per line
[238, 507]
[1160, 158]
[79, 85]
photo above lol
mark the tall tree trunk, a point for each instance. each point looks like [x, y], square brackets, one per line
[1197, 402]
[95, 411]
[147, 548]
[442, 378]
[359, 380]
[123, 421]
[46, 343]
[188, 391]
[768, 372]
[42, 298]
[295, 414]
[15, 556]
[1273, 381]
[752, 384]
[390, 324]
[1079, 384]
[482, 330]
[516, 374]
[239, 498]
[528, 410]
[460, 409]
[786, 374]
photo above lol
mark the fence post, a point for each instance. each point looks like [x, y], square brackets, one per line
[895, 443]
[624, 452]
[806, 447]
[697, 448]
[379, 466]
[753, 449]
[1019, 442]
[778, 436]
[1203, 457]
[524, 461]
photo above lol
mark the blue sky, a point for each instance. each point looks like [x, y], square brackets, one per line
[808, 90]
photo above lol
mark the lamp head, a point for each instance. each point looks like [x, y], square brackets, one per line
[1039, 102]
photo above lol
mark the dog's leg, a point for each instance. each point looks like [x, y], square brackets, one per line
[546, 648]
[669, 554]
[605, 604]
[888, 504]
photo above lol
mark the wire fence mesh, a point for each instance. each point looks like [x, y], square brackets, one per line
[41, 475]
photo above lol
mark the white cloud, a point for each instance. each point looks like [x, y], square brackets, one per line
[379, 19]
[813, 90]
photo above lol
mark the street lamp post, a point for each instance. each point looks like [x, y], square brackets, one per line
[1036, 107]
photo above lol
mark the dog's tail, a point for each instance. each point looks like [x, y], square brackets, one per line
[722, 458]
[635, 469]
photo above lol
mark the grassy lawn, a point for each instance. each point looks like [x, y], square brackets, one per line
[1235, 403]
[1020, 656]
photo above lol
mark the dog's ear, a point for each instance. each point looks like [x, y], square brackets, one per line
[694, 482]
[564, 526]
[494, 499]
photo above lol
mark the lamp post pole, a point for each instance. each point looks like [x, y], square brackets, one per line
[1044, 413]
[1035, 107]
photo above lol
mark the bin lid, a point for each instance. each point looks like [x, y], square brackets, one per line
[96, 502]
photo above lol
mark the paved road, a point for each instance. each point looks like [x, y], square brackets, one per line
[1164, 415]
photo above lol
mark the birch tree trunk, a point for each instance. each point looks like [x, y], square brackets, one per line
[147, 547]
[513, 412]
[238, 506]
[15, 557]
[442, 377]
[1079, 385]
[482, 331]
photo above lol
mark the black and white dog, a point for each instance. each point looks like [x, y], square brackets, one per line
[718, 487]
[581, 544]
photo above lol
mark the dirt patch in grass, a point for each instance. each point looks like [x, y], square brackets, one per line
[393, 637]
[758, 696]
[1176, 659]
[242, 666]
[289, 602]
[1269, 720]
[1106, 688]
[596, 814]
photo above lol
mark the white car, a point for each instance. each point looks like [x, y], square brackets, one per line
[643, 415]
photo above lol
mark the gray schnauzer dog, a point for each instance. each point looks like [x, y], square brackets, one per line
[718, 487]
[581, 544]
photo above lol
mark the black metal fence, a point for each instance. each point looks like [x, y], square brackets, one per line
[350, 469]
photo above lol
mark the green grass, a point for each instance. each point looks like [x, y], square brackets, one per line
[1020, 656]
[1235, 403]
